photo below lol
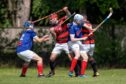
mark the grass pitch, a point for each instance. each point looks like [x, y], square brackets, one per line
[107, 76]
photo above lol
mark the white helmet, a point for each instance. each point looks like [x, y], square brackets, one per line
[78, 17]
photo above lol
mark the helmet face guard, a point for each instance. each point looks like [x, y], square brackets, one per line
[78, 19]
[53, 19]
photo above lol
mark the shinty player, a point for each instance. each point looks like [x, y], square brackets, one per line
[89, 45]
[60, 32]
[24, 47]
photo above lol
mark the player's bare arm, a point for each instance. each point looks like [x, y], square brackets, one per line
[67, 11]
[42, 39]
[87, 26]
[76, 39]
[52, 31]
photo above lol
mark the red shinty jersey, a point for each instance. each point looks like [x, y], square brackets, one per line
[85, 33]
[61, 31]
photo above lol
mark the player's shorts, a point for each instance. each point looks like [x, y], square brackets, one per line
[26, 55]
[73, 46]
[60, 47]
[89, 48]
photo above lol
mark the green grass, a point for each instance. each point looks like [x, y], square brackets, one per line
[107, 76]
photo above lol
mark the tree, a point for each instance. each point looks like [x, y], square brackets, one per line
[39, 9]
[23, 11]
[19, 11]
[15, 12]
[4, 20]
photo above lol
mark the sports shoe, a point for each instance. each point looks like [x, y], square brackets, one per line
[83, 76]
[22, 75]
[70, 74]
[96, 74]
[77, 74]
[50, 74]
[41, 75]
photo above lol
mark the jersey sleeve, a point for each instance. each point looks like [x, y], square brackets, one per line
[33, 34]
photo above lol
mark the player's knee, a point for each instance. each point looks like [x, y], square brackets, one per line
[70, 58]
[84, 56]
[40, 59]
[91, 59]
[52, 59]
[77, 56]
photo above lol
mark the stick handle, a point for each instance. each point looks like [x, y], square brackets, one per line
[69, 18]
[110, 14]
[40, 19]
[46, 16]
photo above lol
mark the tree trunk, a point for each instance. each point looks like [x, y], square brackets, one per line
[11, 11]
[23, 12]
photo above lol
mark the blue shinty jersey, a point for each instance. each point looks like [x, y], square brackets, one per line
[75, 29]
[25, 41]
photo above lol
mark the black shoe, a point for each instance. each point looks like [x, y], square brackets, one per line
[42, 75]
[76, 75]
[22, 75]
[96, 74]
[50, 74]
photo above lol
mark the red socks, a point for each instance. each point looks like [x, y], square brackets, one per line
[40, 69]
[73, 64]
[24, 69]
[83, 67]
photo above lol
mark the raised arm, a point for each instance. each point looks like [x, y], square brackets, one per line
[67, 11]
